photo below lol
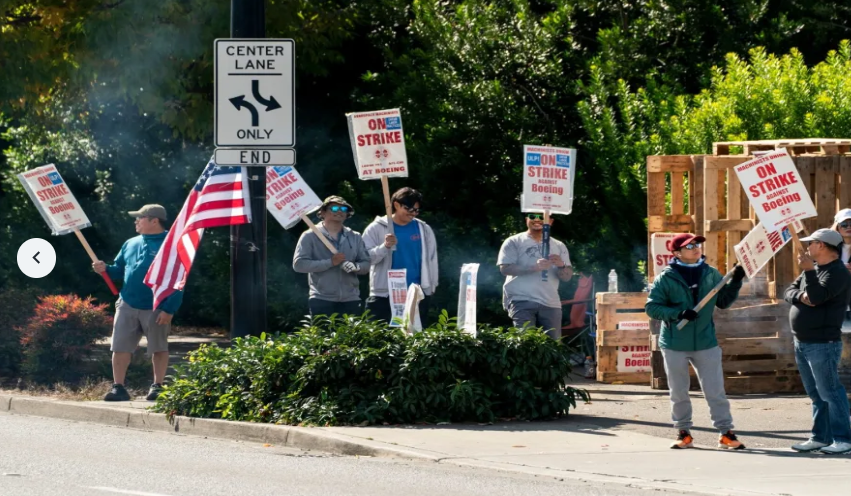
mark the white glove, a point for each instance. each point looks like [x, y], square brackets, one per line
[350, 267]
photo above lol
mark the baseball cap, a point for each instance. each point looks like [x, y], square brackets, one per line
[151, 210]
[826, 236]
[681, 240]
[843, 214]
[339, 200]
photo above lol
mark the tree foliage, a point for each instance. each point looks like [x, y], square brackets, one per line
[119, 95]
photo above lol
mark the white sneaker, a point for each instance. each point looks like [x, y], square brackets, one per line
[809, 445]
[837, 448]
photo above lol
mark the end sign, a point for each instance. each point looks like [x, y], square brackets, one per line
[255, 93]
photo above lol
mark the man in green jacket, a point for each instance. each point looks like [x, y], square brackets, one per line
[674, 294]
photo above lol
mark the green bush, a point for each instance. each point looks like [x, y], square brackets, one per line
[61, 335]
[16, 306]
[344, 371]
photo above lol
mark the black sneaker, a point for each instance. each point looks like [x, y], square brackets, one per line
[154, 392]
[117, 393]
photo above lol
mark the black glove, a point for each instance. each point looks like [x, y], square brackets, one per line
[687, 315]
[738, 273]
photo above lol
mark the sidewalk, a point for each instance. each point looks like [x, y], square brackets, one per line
[572, 448]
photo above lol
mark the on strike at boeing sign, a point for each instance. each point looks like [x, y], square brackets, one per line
[548, 179]
[378, 143]
[288, 197]
[775, 190]
[54, 200]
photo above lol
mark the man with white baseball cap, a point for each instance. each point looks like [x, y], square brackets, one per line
[842, 225]
[819, 299]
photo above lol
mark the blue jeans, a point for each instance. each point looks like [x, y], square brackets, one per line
[818, 364]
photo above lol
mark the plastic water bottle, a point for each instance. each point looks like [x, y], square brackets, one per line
[613, 281]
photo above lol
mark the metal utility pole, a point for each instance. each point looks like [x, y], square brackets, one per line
[248, 241]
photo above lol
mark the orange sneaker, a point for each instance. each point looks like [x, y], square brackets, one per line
[684, 440]
[729, 441]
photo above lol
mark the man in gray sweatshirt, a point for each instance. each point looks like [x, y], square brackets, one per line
[416, 252]
[333, 279]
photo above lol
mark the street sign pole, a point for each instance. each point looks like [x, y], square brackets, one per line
[248, 241]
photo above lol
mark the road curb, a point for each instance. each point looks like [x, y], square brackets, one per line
[303, 438]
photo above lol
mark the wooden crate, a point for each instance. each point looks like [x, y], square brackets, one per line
[709, 210]
[758, 354]
[612, 309]
[824, 146]
[683, 176]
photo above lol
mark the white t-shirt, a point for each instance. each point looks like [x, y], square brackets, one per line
[846, 253]
[524, 251]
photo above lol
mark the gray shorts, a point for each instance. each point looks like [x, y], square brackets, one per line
[131, 324]
[536, 315]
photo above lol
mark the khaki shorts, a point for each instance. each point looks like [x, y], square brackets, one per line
[131, 324]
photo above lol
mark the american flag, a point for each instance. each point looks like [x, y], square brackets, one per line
[219, 198]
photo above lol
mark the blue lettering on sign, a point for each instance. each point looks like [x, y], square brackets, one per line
[54, 177]
[393, 122]
[563, 161]
[785, 233]
[468, 278]
[533, 159]
[282, 171]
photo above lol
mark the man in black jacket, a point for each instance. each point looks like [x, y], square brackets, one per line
[819, 298]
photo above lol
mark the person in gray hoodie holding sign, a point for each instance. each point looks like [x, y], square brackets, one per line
[416, 252]
[333, 279]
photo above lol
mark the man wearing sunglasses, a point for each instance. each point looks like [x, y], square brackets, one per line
[526, 295]
[333, 279]
[416, 252]
[819, 299]
[673, 295]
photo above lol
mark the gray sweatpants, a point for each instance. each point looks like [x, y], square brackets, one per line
[707, 364]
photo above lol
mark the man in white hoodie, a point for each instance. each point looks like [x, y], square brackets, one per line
[416, 252]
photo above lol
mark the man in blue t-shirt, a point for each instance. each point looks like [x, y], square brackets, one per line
[416, 252]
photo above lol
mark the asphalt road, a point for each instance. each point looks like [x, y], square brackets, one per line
[47, 457]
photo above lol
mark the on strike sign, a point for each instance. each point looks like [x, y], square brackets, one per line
[54, 200]
[634, 358]
[378, 143]
[548, 179]
[288, 197]
[775, 190]
[660, 253]
[757, 248]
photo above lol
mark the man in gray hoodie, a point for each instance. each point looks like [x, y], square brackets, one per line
[333, 279]
[416, 252]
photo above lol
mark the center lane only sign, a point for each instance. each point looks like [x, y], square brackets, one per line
[255, 93]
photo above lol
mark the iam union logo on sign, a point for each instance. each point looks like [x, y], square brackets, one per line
[382, 153]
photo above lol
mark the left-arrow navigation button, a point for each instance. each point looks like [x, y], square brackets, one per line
[36, 258]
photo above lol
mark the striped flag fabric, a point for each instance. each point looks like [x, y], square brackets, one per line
[218, 198]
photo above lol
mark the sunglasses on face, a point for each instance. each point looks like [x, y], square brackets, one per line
[338, 208]
[691, 246]
[845, 224]
[413, 210]
[535, 216]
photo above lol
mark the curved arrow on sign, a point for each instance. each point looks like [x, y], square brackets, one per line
[239, 102]
[271, 103]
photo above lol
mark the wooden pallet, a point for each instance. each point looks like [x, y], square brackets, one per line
[758, 355]
[823, 146]
[612, 343]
